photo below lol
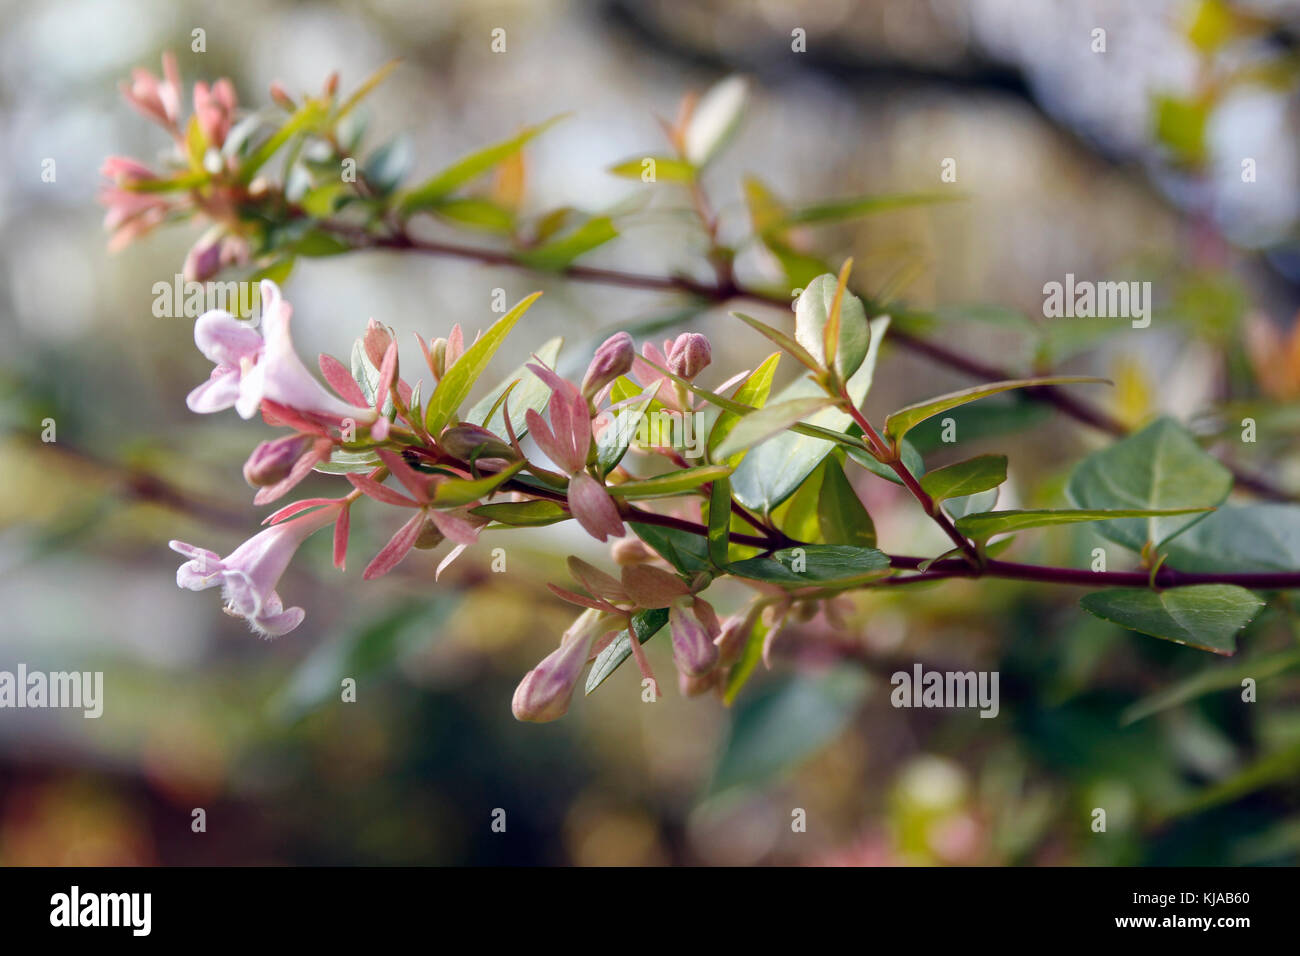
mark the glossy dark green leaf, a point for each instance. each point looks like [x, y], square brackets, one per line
[842, 517]
[1204, 616]
[986, 524]
[900, 422]
[646, 624]
[965, 477]
[815, 565]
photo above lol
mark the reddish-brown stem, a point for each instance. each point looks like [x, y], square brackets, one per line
[726, 289]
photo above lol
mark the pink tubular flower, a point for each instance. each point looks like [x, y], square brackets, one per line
[613, 358]
[252, 367]
[546, 690]
[248, 575]
[567, 441]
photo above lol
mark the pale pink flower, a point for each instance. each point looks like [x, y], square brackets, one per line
[248, 576]
[252, 367]
[567, 442]
[215, 109]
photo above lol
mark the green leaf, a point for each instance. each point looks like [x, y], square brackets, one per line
[840, 210]
[523, 514]
[744, 668]
[455, 492]
[666, 169]
[719, 521]
[611, 444]
[786, 723]
[673, 483]
[985, 525]
[1255, 537]
[840, 513]
[911, 459]
[1204, 616]
[646, 624]
[531, 392]
[971, 504]
[307, 117]
[686, 552]
[428, 193]
[902, 421]
[813, 313]
[387, 166]
[455, 386]
[786, 342]
[476, 213]
[768, 422]
[1220, 677]
[715, 119]
[1159, 467]
[753, 391]
[558, 253]
[833, 566]
[365, 89]
[771, 472]
[965, 477]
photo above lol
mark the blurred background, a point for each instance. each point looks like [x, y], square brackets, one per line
[1118, 163]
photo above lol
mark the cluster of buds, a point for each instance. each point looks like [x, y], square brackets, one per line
[442, 480]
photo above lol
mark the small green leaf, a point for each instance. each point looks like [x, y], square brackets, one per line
[719, 520]
[840, 210]
[965, 477]
[1159, 467]
[476, 213]
[523, 514]
[842, 517]
[902, 421]
[815, 318]
[387, 166]
[673, 483]
[787, 722]
[612, 443]
[428, 193]
[460, 378]
[907, 452]
[744, 668]
[753, 392]
[985, 525]
[342, 462]
[971, 504]
[666, 169]
[715, 119]
[831, 566]
[768, 422]
[1254, 537]
[646, 624]
[455, 492]
[306, 118]
[1204, 616]
[558, 253]
[781, 339]
[686, 552]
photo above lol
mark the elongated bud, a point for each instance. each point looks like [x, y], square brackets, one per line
[272, 460]
[612, 359]
[438, 358]
[695, 686]
[376, 342]
[689, 355]
[203, 261]
[468, 442]
[731, 641]
[631, 550]
[694, 652]
[545, 691]
[331, 85]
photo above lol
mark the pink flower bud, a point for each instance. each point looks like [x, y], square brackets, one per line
[694, 652]
[469, 442]
[271, 461]
[631, 550]
[545, 691]
[376, 342]
[689, 355]
[612, 359]
[203, 261]
[280, 96]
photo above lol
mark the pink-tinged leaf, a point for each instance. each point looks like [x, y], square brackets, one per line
[379, 430]
[296, 507]
[342, 382]
[455, 344]
[456, 527]
[278, 416]
[424, 350]
[416, 483]
[651, 587]
[572, 597]
[551, 447]
[396, 549]
[591, 504]
[387, 372]
[373, 489]
[404, 393]
[342, 526]
[597, 581]
[446, 562]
